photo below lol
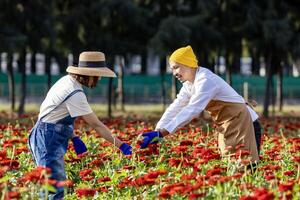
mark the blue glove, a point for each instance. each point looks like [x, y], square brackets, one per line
[79, 145]
[150, 138]
[126, 149]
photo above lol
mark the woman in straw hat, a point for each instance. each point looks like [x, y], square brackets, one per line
[64, 102]
[205, 91]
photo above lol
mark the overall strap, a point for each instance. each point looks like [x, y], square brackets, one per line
[69, 95]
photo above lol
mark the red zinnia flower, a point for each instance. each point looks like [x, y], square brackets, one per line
[164, 195]
[12, 195]
[289, 173]
[85, 192]
[283, 187]
[196, 195]
[85, 172]
[104, 179]
[66, 183]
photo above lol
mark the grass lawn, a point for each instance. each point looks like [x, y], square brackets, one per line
[150, 110]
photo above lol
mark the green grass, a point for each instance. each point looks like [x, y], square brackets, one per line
[142, 110]
[149, 110]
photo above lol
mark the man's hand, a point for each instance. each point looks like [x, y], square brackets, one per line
[150, 138]
[79, 145]
[126, 149]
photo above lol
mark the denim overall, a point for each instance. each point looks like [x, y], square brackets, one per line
[48, 143]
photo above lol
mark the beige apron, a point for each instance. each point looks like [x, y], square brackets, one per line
[234, 126]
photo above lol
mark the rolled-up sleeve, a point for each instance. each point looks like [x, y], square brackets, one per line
[182, 99]
[205, 90]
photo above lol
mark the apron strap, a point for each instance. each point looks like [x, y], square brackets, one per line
[69, 95]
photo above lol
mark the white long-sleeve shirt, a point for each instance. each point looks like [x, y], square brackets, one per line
[194, 97]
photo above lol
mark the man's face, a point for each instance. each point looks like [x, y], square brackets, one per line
[182, 72]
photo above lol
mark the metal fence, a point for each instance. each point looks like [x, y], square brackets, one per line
[146, 89]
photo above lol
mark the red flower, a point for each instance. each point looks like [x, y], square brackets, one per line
[2, 171]
[104, 179]
[186, 143]
[269, 176]
[247, 198]
[283, 187]
[196, 195]
[174, 162]
[124, 183]
[12, 195]
[241, 153]
[289, 173]
[36, 175]
[296, 159]
[96, 163]
[180, 149]
[3, 154]
[164, 195]
[187, 177]
[129, 167]
[263, 194]
[85, 172]
[88, 178]
[48, 181]
[247, 186]
[66, 183]
[12, 164]
[213, 172]
[85, 192]
[102, 189]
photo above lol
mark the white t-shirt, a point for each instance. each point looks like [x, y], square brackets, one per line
[75, 106]
[194, 97]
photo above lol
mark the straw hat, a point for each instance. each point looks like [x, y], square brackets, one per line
[91, 63]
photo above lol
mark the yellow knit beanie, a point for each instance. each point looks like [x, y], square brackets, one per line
[185, 56]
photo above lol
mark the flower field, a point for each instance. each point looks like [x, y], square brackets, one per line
[186, 165]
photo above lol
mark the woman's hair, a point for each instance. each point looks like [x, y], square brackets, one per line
[84, 80]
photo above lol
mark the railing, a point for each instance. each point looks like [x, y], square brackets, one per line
[146, 89]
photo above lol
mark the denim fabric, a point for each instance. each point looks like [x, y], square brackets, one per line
[48, 143]
[68, 120]
[257, 131]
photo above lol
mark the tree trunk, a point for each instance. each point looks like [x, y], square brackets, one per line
[279, 97]
[110, 88]
[268, 85]
[255, 64]
[11, 81]
[22, 66]
[228, 69]
[273, 94]
[217, 64]
[144, 62]
[236, 61]
[33, 62]
[120, 85]
[162, 73]
[48, 70]
[62, 61]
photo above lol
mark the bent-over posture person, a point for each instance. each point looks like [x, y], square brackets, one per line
[64, 102]
[202, 90]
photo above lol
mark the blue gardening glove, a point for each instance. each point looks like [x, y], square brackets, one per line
[126, 149]
[150, 138]
[79, 145]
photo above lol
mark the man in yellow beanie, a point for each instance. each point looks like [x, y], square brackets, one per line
[205, 91]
